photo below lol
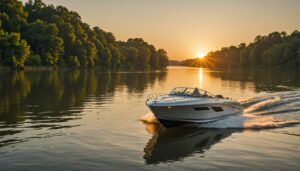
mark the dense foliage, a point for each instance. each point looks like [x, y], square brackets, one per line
[57, 36]
[277, 50]
[13, 50]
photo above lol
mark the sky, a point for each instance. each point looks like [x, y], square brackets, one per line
[186, 28]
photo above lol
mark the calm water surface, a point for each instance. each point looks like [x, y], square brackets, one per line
[90, 120]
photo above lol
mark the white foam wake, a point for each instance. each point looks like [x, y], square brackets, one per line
[149, 118]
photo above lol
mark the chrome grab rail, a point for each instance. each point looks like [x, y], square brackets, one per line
[154, 96]
[171, 98]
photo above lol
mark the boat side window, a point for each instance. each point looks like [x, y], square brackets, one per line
[217, 109]
[201, 108]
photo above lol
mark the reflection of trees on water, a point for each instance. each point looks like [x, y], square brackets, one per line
[177, 143]
[14, 88]
[263, 79]
[135, 82]
[44, 98]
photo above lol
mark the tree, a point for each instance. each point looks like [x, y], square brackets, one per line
[58, 36]
[271, 57]
[163, 58]
[73, 61]
[105, 58]
[91, 52]
[67, 33]
[132, 56]
[154, 60]
[100, 35]
[13, 50]
[44, 41]
[298, 58]
[13, 15]
[115, 56]
[143, 57]
[99, 47]
[277, 49]
[33, 60]
[288, 54]
[244, 57]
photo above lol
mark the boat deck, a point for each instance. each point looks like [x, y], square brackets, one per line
[182, 100]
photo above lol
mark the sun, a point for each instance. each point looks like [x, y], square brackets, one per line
[201, 55]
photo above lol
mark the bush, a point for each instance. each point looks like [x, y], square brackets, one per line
[13, 51]
[48, 60]
[33, 60]
[73, 61]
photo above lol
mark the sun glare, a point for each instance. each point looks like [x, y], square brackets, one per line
[201, 55]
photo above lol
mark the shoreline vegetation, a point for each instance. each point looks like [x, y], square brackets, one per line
[276, 50]
[38, 35]
[42, 36]
[97, 68]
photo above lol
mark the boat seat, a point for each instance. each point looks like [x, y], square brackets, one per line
[220, 96]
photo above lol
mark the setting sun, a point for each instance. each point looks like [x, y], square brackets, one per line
[201, 55]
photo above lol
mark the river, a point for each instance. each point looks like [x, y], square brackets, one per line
[92, 120]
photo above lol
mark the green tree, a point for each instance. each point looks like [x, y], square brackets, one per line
[58, 36]
[13, 51]
[115, 56]
[91, 52]
[298, 58]
[244, 57]
[44, 41]
[67, 33]
[33, 60]
[272, 56]
[132, 56]
[13, 15]
[154, 60]
[288, 55]
[105, 58]
[143, 57]
[73, 61]
[163, 58]
[277, 49]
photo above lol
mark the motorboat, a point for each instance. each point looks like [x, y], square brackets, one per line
[186, 105]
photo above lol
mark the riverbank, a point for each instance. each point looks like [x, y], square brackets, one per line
[49, 68]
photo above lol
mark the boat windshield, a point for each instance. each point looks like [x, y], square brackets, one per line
[189, 92]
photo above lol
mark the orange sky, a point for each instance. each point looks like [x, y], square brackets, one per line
[184, 28]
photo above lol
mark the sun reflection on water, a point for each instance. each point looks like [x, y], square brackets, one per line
[201, 77]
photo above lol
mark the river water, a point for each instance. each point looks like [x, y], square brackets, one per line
[92, 120]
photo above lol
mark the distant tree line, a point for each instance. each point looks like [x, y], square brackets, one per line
[36, 34]
[276, 50]
[174, 63]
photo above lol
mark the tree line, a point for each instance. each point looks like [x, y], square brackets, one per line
[36, 34]
[276, 50]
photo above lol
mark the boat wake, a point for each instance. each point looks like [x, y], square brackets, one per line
[149, 118]
[270, 110]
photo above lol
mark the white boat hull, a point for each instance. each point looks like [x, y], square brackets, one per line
[176, 115]
[191, 105]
